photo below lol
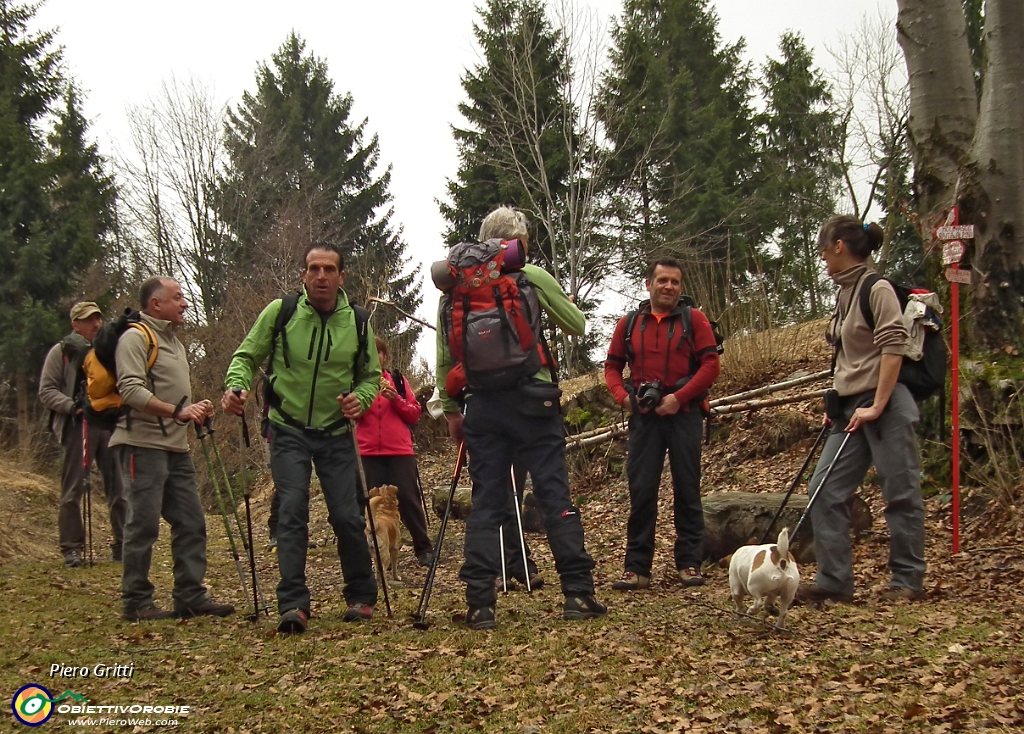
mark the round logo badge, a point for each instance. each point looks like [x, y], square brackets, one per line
[32, 705]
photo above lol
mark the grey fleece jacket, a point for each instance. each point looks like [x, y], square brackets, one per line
[171, 381]
[57, 380]
[858, 362]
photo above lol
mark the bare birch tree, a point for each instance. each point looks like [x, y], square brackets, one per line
[170, 185]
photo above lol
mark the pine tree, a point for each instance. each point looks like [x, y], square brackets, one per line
[55, 201]
[799, 178]
[528, 143]
[675, 105]
[301, 171]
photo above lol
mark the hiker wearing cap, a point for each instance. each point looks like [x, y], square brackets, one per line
[323, 373]
[874, 425]
[672, 354]
[61, 389]
[512, 407]
[153, 429]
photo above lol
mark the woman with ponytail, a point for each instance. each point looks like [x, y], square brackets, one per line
[876, 416]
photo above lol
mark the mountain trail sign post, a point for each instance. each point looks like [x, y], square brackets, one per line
[952, 234]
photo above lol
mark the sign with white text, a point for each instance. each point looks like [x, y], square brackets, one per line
[954, 275]
[955, 232]
[952, 252]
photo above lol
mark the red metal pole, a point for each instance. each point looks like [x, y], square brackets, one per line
[954, 296]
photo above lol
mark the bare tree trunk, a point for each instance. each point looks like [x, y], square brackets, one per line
[943, 102]
[24, 417]
[991, 194]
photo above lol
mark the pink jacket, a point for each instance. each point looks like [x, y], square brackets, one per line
[383, 430]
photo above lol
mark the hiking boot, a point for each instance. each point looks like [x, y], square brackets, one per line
[426, 558]
[272, 545]
[536, 581]
[358, 613]
[691, 576]
[147, 614]
[206, 608]
[895, 593]
[480, 618]
[632, 582]
[116, 554]
[73, 559]
[294, 621]
[812, 593]
[583, 607]
[310, 544]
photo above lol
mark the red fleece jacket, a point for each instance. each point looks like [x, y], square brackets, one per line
[650, 340]
[383, 430]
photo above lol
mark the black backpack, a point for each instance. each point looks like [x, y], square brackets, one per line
[924, 377]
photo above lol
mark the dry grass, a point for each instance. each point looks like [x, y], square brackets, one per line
[752, 360]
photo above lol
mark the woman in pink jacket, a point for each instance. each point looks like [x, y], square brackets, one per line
[385, 444]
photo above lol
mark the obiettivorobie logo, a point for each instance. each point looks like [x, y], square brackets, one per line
[33, 705]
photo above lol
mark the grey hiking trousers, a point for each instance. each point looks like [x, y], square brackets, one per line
[108, 461]
[163, 483]
[891, 445]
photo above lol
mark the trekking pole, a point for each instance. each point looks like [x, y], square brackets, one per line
[817, 490]
[423, 496]
[257, 595]
[522, 537]
[419, 619]
[365, 497]
[796, 481]
[87, 485]
[227, 482]
[201, 434]
[504, 567]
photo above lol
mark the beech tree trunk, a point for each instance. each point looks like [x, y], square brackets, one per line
[991, 192]
[943, 102]
[969, 156]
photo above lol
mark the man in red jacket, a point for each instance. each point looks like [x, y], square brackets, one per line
[673, 361]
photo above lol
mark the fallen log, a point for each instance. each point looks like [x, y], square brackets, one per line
[771, 402]
[776, 387]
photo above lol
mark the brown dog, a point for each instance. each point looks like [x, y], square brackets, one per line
[384, 506]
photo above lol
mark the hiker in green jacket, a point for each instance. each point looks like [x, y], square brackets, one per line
[321, 377]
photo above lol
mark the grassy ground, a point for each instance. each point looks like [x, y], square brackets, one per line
[666, 660]
[669, 659]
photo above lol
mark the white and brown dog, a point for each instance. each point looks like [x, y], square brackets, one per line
[384, 506]
[765, 573]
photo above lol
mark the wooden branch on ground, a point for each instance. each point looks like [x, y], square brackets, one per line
[755, 404]
[797, 382]
[607, 433]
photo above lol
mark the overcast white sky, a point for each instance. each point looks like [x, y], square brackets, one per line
[401, 60]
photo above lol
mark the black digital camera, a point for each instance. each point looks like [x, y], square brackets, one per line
[649, 394]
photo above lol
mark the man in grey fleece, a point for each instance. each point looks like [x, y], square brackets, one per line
[61, 386]
[156, 458]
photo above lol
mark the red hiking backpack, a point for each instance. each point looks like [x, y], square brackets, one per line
[491, 315]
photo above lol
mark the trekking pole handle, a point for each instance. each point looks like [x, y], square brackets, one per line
[245, 426]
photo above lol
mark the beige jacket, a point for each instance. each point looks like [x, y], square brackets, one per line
[57, 382]
[169, 380]
[859, 359]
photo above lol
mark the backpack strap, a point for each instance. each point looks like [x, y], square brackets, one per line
[865, 298]
[152, 348]
[362, 333]
[289, 305]
[631, 318]
[399, 383]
